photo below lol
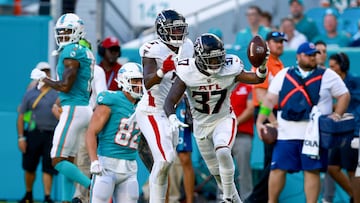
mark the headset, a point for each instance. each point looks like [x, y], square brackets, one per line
[101, 49]
[343, 61]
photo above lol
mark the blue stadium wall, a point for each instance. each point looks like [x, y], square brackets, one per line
[25, 42]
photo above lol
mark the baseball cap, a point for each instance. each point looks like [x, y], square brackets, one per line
[307, 48]
[301, 2]
[276, 36]
[43, 66]
[110, 42]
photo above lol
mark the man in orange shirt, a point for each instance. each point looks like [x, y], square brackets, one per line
[275, 42]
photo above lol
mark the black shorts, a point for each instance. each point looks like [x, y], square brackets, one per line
[345, 157]
[39, 144]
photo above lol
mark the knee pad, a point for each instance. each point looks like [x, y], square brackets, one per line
[159, 172]
[226, 164]
[225, 159]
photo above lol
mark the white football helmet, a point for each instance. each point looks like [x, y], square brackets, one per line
[128, 72]
[69, 28]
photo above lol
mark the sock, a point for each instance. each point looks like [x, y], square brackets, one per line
[47, 198]
[28, 195]
[67, 189]
[226, 169]
[70, 171]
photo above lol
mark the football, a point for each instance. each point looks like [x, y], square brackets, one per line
[270, 136]
[256, 51]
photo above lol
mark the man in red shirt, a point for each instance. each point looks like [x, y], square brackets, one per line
[241, 102]
[109, 50]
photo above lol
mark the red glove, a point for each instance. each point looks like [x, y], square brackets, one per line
[168, 65]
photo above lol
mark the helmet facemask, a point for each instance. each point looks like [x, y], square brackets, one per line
[68, 29]
[209, 54]
[171, 28]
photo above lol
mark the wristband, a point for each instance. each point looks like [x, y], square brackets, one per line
[261, 75]
[22, 138]
[160, 73]
[265, 110]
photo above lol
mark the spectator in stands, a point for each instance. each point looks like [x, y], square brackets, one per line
[241, 102]
[303, 24]
[109, 49]
[294, 37]
[266, 20]
[35, 127]
[355, 3]
[243, 37]
[321, 57]
[275, 41]
[346, 157]
[332, 37]
[340, 5]
[356, 38]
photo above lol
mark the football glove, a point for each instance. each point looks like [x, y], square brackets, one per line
[37, 74]
[40, 85]
[168, 65]
[355, 143]
[175, 124]
[95, 167]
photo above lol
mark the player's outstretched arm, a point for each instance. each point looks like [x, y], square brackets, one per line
[175, 94]
[249, 78]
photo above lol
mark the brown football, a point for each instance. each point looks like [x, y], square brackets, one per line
[271, 136]
[256, 51]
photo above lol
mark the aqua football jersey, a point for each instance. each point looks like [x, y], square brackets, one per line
[80, 91]
[118, 139]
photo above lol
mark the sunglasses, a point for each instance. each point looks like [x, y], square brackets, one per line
[114, 49]
[278, 34]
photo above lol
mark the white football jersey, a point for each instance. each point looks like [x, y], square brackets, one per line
[154, 98]
[209, 96]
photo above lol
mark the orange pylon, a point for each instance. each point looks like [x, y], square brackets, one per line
[17, 7]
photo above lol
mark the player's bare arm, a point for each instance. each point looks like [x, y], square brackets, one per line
[269, 102]
[150, 76]
[69, 76]
[175, 94]
[98, 120]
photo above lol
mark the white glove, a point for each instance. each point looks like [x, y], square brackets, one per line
[175, 124]
[40, 85]
[95, 167]
[355, 143]
[37, 74]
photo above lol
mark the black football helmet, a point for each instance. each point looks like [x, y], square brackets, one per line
[171, 27]
[209, 53]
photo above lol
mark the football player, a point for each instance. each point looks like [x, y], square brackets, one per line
[112, 140]
[208, 80]
[159, 73]
[75, 72]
